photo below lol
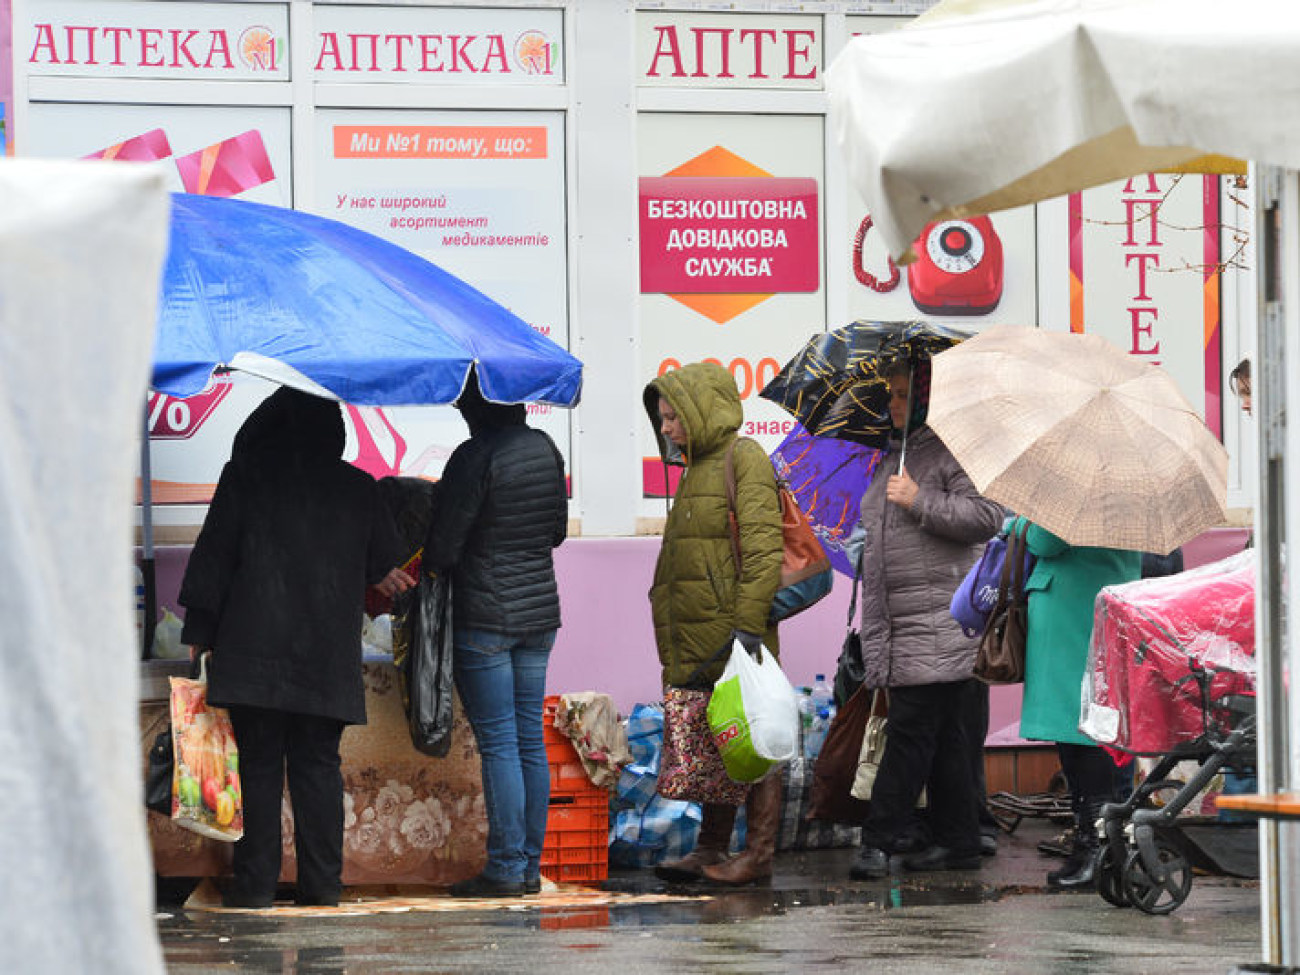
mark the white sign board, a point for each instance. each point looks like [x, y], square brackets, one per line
[176, 40]
[443, 46]
[682, 50]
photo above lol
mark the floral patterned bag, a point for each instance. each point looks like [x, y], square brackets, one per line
[691, 767]
[206, 793]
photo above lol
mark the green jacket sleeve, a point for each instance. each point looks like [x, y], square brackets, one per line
[758, 518]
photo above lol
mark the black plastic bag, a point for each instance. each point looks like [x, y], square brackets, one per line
[849, 669]
[426, 666]
[158, 777]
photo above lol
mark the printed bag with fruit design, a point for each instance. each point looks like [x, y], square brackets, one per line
[206, 794]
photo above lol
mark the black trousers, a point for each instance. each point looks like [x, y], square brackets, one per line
[977, 730]
[1090, 774]
[272, 743]
[927, 746]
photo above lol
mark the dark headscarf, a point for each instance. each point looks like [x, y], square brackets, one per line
[920, 394]
[292, 424]
[481, 414]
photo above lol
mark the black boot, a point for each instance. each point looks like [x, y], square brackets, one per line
[1079, 871]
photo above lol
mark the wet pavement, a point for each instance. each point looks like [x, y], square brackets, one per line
[812, 917]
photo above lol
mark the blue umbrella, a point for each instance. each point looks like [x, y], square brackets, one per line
[828, 477]
[317, 304]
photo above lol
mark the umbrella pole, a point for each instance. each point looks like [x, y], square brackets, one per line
[907, 420]
[146, 542]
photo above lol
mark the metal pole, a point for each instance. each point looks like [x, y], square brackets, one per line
[1286, 773]
[1269, 389]
[907, 420]
[147, 567]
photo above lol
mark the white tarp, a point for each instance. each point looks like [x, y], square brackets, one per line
[81, 250]
[982, 105]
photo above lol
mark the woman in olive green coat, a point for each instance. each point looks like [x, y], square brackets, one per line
[701, 598]
[1062, 590]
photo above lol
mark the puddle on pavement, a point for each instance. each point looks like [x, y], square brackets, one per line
[696, 905]
[732, 905]
[713, 906]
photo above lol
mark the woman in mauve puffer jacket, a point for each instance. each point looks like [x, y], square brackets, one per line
[924, 525]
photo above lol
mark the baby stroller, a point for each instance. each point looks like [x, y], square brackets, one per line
[1171, 674]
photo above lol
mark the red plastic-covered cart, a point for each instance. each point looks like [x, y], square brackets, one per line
[1156, 642]
[1171, 673]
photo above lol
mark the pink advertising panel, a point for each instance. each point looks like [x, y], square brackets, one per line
[711, 234]
[146, 147]
[731, 236]
[227, 168]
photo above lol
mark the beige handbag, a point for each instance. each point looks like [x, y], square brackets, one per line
[873, 749]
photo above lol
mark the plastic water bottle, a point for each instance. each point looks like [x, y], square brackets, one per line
[823, 695]
[812, 745]
[806, 714]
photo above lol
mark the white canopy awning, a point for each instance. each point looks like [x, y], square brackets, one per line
[982, 105]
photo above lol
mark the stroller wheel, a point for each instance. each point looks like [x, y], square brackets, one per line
[1110, 877]
[1153, 895]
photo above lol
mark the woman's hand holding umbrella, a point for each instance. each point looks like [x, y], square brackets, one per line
[901, 489]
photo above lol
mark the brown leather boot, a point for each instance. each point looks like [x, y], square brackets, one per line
[762, 816]
[710, 847]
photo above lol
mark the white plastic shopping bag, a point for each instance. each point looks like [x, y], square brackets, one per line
[754, 715]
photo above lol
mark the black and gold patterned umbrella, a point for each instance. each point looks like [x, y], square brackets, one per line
[836, 385]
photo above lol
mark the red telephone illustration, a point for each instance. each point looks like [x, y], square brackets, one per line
[958, 270]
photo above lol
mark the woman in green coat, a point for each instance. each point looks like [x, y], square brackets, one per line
[702, 598]
[1062, 590]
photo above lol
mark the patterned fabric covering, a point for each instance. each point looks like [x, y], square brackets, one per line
[408, 818]
[645, 827]
[590, 720]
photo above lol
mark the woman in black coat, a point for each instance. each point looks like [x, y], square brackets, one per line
[275, 588]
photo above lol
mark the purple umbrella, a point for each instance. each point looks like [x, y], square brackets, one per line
[828, 477]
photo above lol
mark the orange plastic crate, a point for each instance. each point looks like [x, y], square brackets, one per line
[553, 737]
[576, 848]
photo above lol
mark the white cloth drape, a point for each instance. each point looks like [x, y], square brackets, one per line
[81, 250]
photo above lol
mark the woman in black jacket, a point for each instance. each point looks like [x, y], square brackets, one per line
[274, 588]
[502, 508]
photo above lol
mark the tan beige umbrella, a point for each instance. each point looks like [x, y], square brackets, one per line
[1084, 440]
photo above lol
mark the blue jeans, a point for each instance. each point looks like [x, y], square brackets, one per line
[502, 682]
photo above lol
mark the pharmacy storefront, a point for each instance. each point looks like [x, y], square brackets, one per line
[648, 184]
